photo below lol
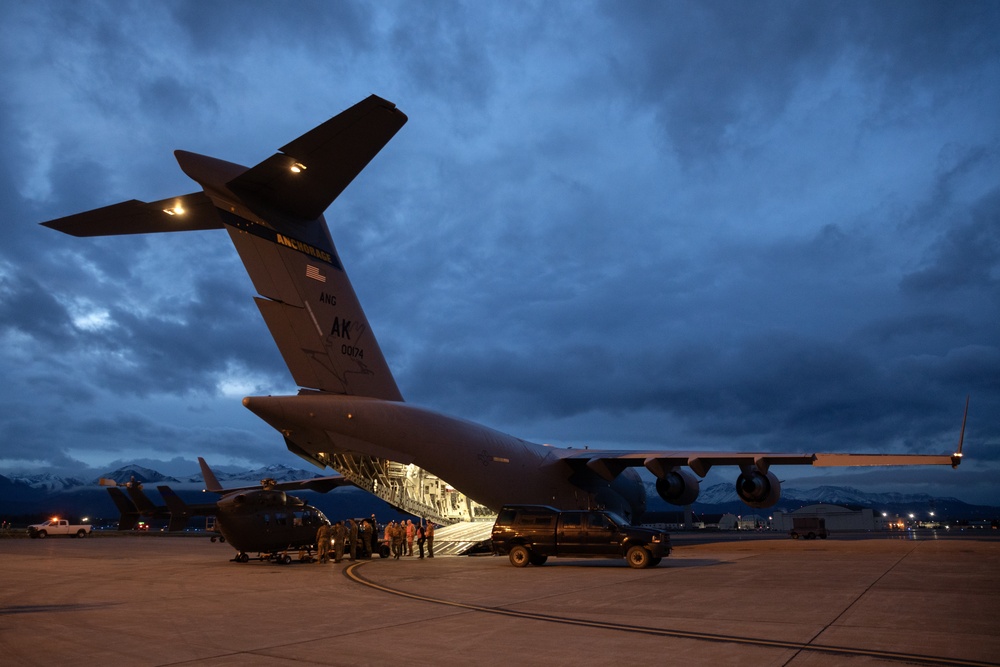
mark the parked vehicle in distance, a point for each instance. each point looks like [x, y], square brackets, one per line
[809, 527]
[530, 534]
[56, 526]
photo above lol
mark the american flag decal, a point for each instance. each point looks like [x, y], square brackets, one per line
[314, 273]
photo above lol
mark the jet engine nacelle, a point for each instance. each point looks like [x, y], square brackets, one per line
[758, 489]
[678, 487]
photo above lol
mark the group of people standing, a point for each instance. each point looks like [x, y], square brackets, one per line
[361, 539]
[401, 535]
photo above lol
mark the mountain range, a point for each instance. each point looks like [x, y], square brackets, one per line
[40, 494]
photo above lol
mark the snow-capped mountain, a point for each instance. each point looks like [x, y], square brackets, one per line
[280, 473]
[721, 495]
[139, 474]
[47, 482]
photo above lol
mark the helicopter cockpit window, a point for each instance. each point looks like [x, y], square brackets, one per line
[280, 519]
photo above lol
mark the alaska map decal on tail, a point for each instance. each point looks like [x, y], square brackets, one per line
[349, 413]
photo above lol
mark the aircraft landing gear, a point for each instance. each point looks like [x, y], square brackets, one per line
[241, 557]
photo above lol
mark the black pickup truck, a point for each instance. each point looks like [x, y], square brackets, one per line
[529, 534]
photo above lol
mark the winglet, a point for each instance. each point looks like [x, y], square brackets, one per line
[211, 483]
[957, 456]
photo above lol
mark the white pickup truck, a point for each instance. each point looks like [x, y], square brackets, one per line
[59, 527]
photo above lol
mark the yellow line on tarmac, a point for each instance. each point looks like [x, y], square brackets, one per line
[912, 658]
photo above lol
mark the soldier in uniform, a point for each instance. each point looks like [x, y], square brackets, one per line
[339, 533]
[323, 542]
[398, 535]
[420, 538]
[374, 536]
[363, 540]
[352, 538]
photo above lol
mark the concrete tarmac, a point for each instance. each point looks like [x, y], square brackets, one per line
[151, 600]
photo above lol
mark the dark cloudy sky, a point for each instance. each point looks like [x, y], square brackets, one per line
[711, 225]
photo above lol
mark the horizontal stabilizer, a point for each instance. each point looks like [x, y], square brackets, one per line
[312, 171]
[177, 214]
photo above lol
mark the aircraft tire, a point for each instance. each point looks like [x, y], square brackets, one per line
[242, 558]
[638, 557]
[519, 556]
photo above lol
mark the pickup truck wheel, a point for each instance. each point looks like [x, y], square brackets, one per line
[538, 559]
[653, 562]
[520, 556]
[81, 533]
[42, 534]
[638, 557]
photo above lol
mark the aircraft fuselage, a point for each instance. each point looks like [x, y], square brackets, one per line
[485, 464]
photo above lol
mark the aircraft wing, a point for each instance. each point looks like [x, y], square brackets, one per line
[183, 214]
[609, 463]
[312, 171]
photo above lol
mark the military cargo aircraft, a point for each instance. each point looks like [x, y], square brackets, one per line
[349, 403]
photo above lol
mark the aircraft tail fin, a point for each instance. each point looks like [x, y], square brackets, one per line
[273, 213]
[141, 500]
[178, 509]
[126, 508]
[211, 483]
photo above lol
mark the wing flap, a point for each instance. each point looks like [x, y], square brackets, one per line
[847, 460]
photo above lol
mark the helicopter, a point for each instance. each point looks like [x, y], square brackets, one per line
[253, 519]
[266, 520]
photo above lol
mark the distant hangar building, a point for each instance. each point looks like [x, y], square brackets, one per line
[837, 518]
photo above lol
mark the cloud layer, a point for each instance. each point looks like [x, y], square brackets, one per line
[671, 225]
